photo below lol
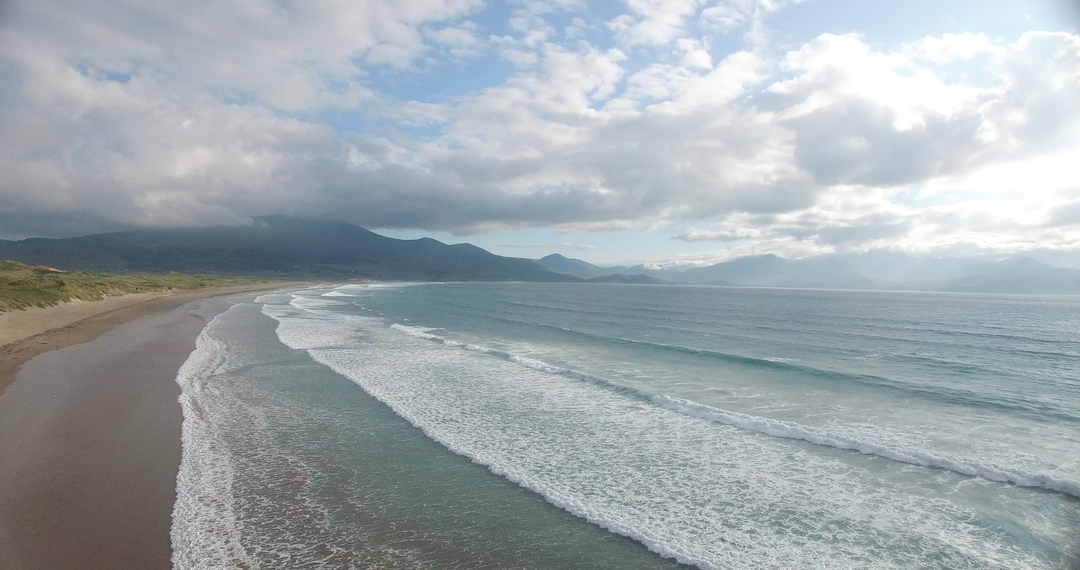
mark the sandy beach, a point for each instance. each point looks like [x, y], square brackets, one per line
[26, 334]
[90, 432]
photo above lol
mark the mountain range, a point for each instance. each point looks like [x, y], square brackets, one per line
[291, 247]
[878, 270]
[280, 246]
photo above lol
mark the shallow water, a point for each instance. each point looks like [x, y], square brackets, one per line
[631, 426]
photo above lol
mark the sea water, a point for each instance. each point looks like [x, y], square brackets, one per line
[611, 426]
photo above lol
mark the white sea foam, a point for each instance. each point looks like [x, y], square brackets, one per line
[695, 489]
[425, 333]
[790, 430]
[302, 302]
[422, 332]
[244, 500]
[275, 297]
[309, 333]
[337, 293]
[204, 529]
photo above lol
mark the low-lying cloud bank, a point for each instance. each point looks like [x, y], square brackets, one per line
[126, 114]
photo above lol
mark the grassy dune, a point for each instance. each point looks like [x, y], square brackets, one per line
[23, 286]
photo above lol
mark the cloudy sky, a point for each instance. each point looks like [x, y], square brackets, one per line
[664, 131]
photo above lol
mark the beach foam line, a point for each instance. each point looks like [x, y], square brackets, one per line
[336, 293]
[204, 530]
[778, 428]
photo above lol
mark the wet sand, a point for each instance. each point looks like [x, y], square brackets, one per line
[90, 437]
[29, 333]
[20, 324]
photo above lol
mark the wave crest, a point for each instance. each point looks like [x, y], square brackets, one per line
[779, 428]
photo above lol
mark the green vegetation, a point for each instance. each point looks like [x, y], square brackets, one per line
[23, 286]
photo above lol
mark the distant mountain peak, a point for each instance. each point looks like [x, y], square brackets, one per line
[277, 220]
[769, 258]
[1021, 261]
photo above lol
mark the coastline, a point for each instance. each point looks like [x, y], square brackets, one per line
[90, 434]
[36, 331]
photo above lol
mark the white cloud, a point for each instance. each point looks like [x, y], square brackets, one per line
[287, 58]
[750, 15]
[459, 41]
[833, 69]
[520, 58]
[953, 47]
[455, 37]
[654, 22]
[737, 234]
[695, 54]
[576, 29]
[154, 116]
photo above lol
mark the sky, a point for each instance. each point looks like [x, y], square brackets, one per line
[667, 132]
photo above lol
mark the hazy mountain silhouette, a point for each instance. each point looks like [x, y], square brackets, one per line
[885, 270]
[636, 279]
[585, 270]
[276, 245]
[750, 270]
[576, 267]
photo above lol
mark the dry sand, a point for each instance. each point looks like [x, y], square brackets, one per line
[17, 325]
[26, 334]
[90, 436]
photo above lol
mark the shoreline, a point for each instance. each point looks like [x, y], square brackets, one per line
[90, 434]
[82, 321]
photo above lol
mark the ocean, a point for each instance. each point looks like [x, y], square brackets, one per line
[517, 425]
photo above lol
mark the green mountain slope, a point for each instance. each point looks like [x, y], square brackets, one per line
[277, 246]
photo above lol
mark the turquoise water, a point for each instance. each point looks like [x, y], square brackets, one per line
[607, 426]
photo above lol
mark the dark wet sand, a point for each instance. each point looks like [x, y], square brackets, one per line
[90, 446]
[14, 355]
